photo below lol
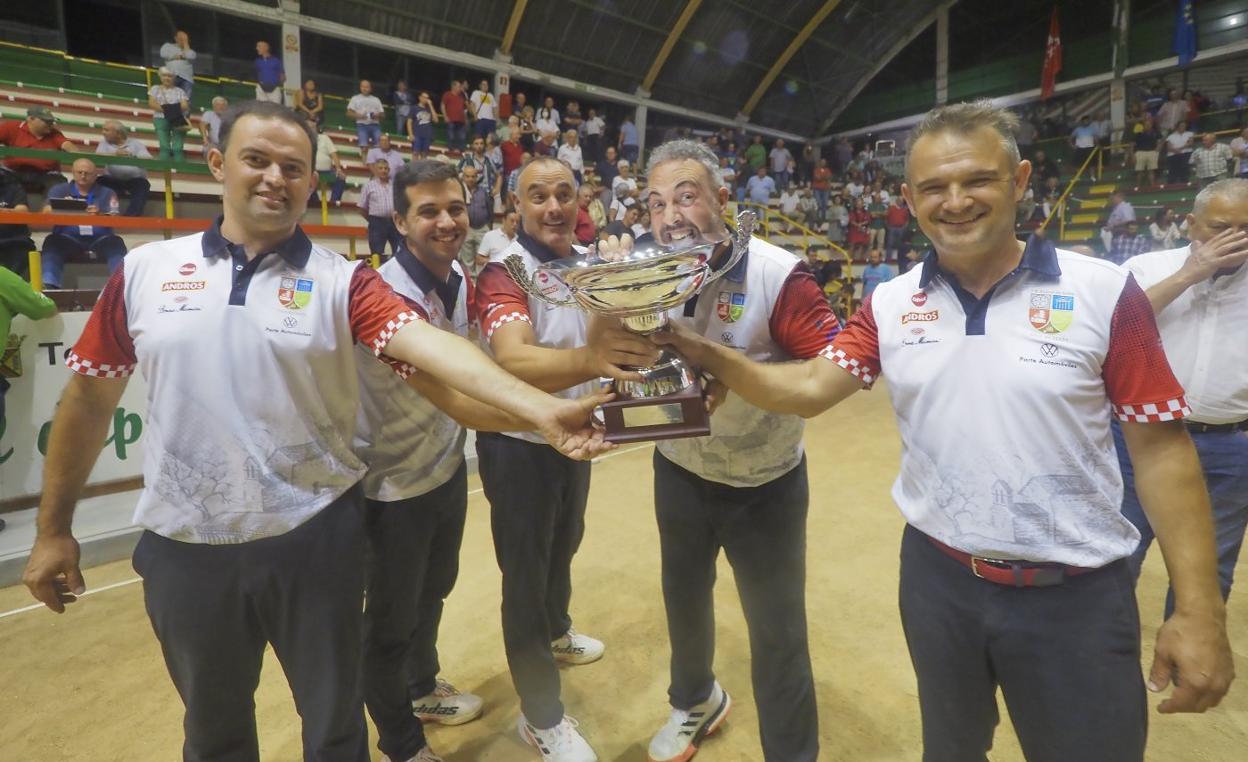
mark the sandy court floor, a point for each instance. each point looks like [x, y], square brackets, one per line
[90, 685]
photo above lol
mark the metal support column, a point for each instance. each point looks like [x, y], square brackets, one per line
[942, 55]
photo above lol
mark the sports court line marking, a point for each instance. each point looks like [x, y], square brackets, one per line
[123, 583]
[91, 591]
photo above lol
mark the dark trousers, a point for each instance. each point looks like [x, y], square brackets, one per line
[456, 135]
[592, 148]
[412, 563]
[381, 231]
[214, 607]
[537, 515]
[135, 189]
[1177, 168]
[762, 530]
[15, 255]
[58, 248]
[1067, 659]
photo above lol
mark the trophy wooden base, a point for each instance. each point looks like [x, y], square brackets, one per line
[672, 416]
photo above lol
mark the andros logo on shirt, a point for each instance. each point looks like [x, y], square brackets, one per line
[730, 307]
[1051, 313]
[295, 293]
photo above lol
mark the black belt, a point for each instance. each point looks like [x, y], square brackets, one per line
[1215, 428]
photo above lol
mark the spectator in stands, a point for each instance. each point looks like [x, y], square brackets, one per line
[624, 184]
[37, 132]
[1163, 230]
[210, 124]
[486, 172]
[178, 58]
[495, 154]
[18, 298]
[756, 154]
[70, 241]
[497, 240]
[821, 184]
[1043, 168]
[624, 225]
[512, 150]
[878, 209]
[760, 187]
[514, 180]
[593, 127]
[519, 102]
[837, 218]
[1147, 143]
[366, 110]
[387, 153]
[896, 222]
[270, 74]
[572, 119]
[484, 109]
[875, 273]
[629, 143]
[419, 125]
[1121, 213]
[597, 212]
[780, 158]
[790, 200]
[585, 231]
[15, 240]
[1211, 160]
[170, 107]
[124, 179]
[859, 226]
[310, 102]
[377, 206]
[1154, 101]
[1239, 147]
[1026, 135]
[1173, 111]
[1083, 140]
[1052, 195]
[403, 99]
[1128, 242]
[331, 174]
[1178, 153]
[455, 114]
[570, 153]
[607, 170]
[480, 214]
[1104, 129]
[547, 117]
[546, 146]
[1196, 105]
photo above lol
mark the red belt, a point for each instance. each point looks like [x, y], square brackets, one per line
[1012, 573]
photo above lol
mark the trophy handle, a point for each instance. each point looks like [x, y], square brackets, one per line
[746, 220]
[515, 268]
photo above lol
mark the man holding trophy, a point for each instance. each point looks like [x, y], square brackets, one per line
[537, 496]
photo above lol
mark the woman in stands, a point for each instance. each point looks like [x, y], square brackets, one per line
[170, 106]
[420, 125]
[310, 103]
[1163, 230]
[859, 231]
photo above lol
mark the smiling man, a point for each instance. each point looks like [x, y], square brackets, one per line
[246, 336]
[1005, 363]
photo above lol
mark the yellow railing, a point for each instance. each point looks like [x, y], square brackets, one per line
[768, 216]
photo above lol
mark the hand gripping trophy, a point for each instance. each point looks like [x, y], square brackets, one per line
[639, 287]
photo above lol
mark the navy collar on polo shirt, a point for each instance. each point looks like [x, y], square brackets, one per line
[426, 281]
[294, 250]
[536, 247]
[1039, 257]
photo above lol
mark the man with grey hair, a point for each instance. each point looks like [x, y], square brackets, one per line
[743, 489]
[1199, 294]
[210, 124]
[1005, 361]
[124, 178]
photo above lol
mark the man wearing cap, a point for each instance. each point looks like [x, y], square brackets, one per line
[1006, 362]
[38, 131]
[252, 488]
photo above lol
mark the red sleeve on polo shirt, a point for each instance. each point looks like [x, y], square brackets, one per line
[1138, 379]
[470, 293]
[500, 299]
[105, 349]
[377, 313]
[857, 347]
[801, 322]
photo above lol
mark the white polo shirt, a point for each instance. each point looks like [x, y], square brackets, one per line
[770, 308]
[500, 300]
[1004, 403]
[1203, 333]
[250, 368]
[410, 446]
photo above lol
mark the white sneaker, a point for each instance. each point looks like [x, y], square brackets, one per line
[575, 648]
[424, 755]
[447, 706]
[562, 743]
[678, 740]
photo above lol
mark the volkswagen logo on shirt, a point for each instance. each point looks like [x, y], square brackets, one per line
[1048, 350]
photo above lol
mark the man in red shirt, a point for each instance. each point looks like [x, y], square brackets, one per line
[896, 222]
[585, 231]
[512, 149]
[37, 132]
[454, 111]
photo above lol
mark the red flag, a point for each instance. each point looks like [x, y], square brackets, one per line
[1052, 59]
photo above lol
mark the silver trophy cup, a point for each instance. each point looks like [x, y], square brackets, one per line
[639, 287]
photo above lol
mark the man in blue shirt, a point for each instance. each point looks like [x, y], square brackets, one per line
[270, 74]
[1083, 140]
[630, 145]
[875, 273]
[93, 241]
[760, 187]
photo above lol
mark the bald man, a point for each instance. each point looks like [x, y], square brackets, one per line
[87, 241]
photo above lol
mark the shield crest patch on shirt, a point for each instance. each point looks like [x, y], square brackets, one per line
[294, 293]
[1050, 312]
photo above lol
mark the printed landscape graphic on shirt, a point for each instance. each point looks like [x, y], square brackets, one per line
[295, 293]
[730, 306]
[1051, 313]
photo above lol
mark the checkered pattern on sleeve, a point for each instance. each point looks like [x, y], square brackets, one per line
[377, 313]
[1138, 379]
[857, 347]
[500, 300]
[105, 349]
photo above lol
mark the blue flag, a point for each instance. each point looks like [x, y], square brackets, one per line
[1185, 33]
